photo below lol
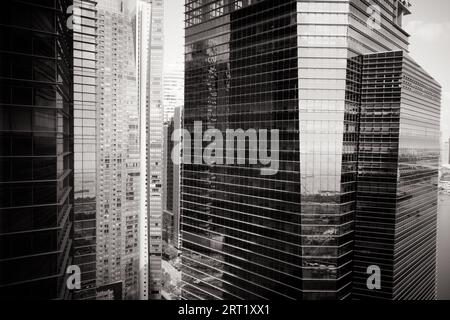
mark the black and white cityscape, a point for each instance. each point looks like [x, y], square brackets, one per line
[224, 150]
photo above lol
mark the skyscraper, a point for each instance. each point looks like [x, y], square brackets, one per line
[36, 149]
[130, 168]
[300, 67]
[118, 163]
[85, 138]
[143, 20]
[154, 147]
[398, 165]
[171, 183]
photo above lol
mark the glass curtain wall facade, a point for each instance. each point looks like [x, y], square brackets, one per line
[85, 137]
[167, 230]
[36, 149]
[332, 35]
[295, 66]
[171, 219]
[398, 166]
[241, 232]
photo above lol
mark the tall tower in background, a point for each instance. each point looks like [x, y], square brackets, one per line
[397, 189]
[149, 59]
[118, 163]
[171, 220]
[130, 49]
[36, 149]
[309, 231]
[143, 20]
[154, 143]
[85, 143]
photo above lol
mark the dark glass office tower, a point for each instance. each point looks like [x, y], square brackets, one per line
[295, 66]
[168, 194]
[85, 145]
[171, 199]
[398, 164]
[241, 232]
[36, 149]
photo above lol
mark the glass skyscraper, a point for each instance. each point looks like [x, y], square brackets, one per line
[36, 149]
[301, 67]
[398, 161]
[171, 198]
[85, 139]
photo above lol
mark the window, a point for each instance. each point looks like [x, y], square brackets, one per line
[44, 120]
[44, 144]
[21, 119]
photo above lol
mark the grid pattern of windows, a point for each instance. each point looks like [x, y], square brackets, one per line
[36, 149]
[173, 89]
[85, 145]
[398, 176]
[155, 132]
[240, 230]
[118, 153]
[244, 61]
[171, 220]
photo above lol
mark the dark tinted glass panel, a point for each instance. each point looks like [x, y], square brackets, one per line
[5, 145]
[21, 196]
[4, 119]
[44, 169]
[23, 96]
[5, 65]
[21, 119]
[22, 67]
[44, 144]
[45, 97]
[22, 144]
[44, 194]
[43, 46]
[42, 20]
[21, 169]
[5, 169]
[5, 94]
[44, 120]
[21, 42]
[44, 70]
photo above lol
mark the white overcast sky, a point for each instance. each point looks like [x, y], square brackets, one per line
[429, 26]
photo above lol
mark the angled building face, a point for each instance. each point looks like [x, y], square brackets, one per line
[240, 231]
[398, 163]
[85, 138]
[331, 37]
[36, 149]
[295, 66]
